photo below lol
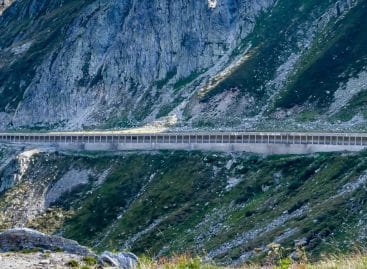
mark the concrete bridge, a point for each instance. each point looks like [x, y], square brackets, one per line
[257, 142]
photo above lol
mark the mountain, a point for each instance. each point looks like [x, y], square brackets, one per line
[197, 64]
[68, 64]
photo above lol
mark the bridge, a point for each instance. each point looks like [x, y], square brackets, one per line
[257, 142]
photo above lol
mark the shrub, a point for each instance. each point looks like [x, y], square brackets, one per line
[284, 263]
[90, 260]
[72, 264]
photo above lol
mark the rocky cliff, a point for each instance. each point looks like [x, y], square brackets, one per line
[114, 59]
[242, 63]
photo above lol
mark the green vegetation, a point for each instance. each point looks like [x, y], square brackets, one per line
[116, 121]
[191, 202]
[161, 83]
[166, 109]
[336, 54]
[30, 250]
[358, 261]
[127, 181]
[330, 61]
[90, 260]
[356, 105]
[72, 264]
[307, 116]
[187, 80]
[161, 201]
[176, 262]
[274, 37]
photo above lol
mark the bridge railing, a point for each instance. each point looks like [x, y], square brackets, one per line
[192, 138]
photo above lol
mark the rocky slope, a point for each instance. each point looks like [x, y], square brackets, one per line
[38, 260]
[254, 64]
[225, 207]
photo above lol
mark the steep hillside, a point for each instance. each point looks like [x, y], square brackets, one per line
[247, 64]
[225, 207]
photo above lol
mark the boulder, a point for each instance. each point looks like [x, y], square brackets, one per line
[119, 260]
[22, 238]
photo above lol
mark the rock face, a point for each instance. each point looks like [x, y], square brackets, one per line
[39, 189]
[21, 239]
[70, 181]
[116, 58]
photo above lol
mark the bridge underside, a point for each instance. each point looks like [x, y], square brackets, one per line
[253, 148]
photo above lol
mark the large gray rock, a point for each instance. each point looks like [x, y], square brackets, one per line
[22, 238]
[120, 260]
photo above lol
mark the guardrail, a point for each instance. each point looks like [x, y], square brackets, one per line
[191, 138]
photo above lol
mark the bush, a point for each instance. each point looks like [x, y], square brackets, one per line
[72, 264]
[284, 263]
[90, 260]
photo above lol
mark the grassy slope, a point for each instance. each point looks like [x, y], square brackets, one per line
[179, 262]
[336, 55]
[274, 37]
[189, 187]
[339, 53]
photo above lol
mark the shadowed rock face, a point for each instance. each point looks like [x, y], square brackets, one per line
[20, 239]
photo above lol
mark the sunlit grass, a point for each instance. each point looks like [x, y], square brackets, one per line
[186, 261]
[175, 262]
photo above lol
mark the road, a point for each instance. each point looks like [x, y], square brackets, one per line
[227, 141]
